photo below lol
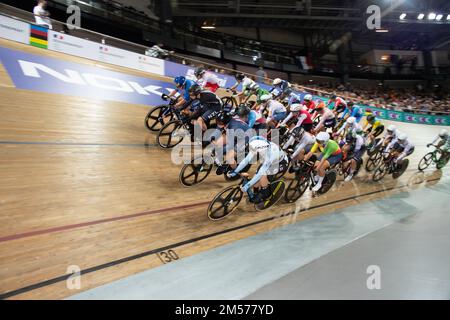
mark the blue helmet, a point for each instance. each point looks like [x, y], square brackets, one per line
[179, 81]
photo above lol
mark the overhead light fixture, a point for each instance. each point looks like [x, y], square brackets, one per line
[420, 16]
[431, 16]
[439, 17]
[402, 16]
[448, 17]
[381, 30]
[208, 27]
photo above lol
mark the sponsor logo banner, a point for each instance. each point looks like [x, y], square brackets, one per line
[87, 49]
[51, 75]
[15, 30]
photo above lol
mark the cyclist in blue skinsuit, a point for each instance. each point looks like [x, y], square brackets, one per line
[183, 85]
[352, 111]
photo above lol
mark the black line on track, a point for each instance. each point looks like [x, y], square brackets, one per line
[179, 244]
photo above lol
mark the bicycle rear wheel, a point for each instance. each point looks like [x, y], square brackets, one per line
[224, 203]
[169, 135]
[399, 171]
[328, 181]
[277, 188]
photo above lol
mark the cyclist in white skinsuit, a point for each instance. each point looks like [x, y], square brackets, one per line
[351, 124]
[402, 145]
[304, 139]
[390, 135]
[444, 142]
[273, 160]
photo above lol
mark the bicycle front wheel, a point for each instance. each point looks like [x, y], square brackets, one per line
[225, 203]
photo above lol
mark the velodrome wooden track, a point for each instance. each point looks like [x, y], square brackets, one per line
[82, 183]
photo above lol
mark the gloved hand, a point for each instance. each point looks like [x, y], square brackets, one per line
[428, 145]
[232, 174]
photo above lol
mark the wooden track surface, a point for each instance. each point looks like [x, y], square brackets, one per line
[83, 183]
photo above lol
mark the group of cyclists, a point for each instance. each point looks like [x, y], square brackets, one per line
[326, 132]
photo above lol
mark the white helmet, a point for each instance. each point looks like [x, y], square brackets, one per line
[277, 81]
[443, 134]
[258, 145]
[307, 97]
[351, 120]
[391, 128]
[322, 137]
[296, 107]
[265, 97]
[402, 137]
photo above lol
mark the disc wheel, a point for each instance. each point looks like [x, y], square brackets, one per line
[169, 135]
[399, 171]
[224, 203]
[155, 120]
[328, 181]
[277, 188]
[425, 161]
[194, 173]
[296, 188]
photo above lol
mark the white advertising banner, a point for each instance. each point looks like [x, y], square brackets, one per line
[71, 45]
[99, 52]
[15, 30]
[149, 64]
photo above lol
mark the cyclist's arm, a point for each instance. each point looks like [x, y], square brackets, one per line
[342, 128]
[244, 162]
[289, 117]
[300, 120]
[262, 171]
[405, 152]
[303, 143]
[437, 138]
[173, 92]
[233, 87]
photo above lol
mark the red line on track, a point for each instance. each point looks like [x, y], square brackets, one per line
[94, 222]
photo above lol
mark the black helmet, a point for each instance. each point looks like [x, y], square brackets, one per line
[224, 118]
[333, 96]
[370, 117]
[239, 76]
[350, 104]
[350, 138]
[243, 110]
[298, 132]
[199, 71]
[195, 89]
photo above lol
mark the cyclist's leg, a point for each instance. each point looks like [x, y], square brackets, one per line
[321, 171]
